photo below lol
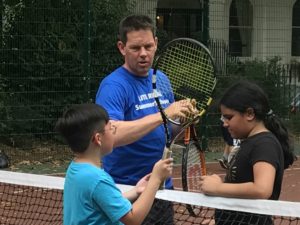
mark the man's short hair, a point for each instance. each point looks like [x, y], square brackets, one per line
[135, 23]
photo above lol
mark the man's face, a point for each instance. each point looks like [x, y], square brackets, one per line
[138, 51]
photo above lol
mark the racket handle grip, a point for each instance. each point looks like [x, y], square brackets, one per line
[167, 154]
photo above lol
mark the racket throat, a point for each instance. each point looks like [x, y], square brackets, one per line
[167, 153]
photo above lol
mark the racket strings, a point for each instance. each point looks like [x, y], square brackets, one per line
[190, 79]
[194, 168]
[196, 55]
[190, 70]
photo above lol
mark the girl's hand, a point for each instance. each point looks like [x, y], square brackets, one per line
[210, 184]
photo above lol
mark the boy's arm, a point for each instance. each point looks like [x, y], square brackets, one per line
[135, 192]
[143, 204]
[139, 188]
[131, 195]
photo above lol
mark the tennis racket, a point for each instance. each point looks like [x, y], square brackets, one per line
[193, 164]
[190, 68]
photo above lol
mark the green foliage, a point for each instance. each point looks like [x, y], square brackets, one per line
[269, 74]
[163, 38]
[47, 64]
[294, 123]
[105, 56]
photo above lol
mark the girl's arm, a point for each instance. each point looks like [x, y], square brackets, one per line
[261, 188]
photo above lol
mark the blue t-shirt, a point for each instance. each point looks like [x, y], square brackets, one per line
[91, 197]
[127, 97]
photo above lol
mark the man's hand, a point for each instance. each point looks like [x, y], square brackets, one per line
[183, 110]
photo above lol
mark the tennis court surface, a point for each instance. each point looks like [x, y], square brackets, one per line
[37, 199]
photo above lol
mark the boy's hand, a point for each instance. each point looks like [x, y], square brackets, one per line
[141, 185]
[163, 169]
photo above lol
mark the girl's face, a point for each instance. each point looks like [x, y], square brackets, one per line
[108, 138]
[238, 124]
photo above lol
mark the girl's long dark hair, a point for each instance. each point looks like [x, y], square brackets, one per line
[243, 95]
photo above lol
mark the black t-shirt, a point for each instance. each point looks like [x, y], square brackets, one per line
[260, 147]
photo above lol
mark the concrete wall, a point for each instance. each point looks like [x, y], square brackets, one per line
[272, 26]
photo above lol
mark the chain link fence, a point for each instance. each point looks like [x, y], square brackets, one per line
[55, 53]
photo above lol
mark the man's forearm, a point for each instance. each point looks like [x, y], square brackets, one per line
[130, 131]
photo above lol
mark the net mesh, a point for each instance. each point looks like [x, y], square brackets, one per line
[37, 199]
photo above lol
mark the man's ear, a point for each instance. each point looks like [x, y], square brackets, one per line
[156, 42]
[121, 47]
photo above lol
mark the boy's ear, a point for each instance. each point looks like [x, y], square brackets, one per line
[97, 138]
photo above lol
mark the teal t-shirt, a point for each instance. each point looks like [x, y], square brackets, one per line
[91, 197]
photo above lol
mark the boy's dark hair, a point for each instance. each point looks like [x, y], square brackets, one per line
[134, 23]
[79, 123]
[243, 95]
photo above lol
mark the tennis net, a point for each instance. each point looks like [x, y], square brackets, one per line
[37, 199]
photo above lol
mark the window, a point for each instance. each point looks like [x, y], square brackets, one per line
[296, 29]
[240, 28]
[179, 18]
[179, 22]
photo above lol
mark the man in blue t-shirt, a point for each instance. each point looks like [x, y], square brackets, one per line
[126, 94]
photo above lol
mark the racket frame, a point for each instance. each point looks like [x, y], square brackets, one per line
[190, 134]
[167, 150]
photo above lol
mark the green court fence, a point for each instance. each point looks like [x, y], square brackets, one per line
[55, 52]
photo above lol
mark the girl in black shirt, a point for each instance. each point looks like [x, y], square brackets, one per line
[256, 169]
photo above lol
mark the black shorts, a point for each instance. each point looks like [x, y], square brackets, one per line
[227, 217]
[161, 213]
